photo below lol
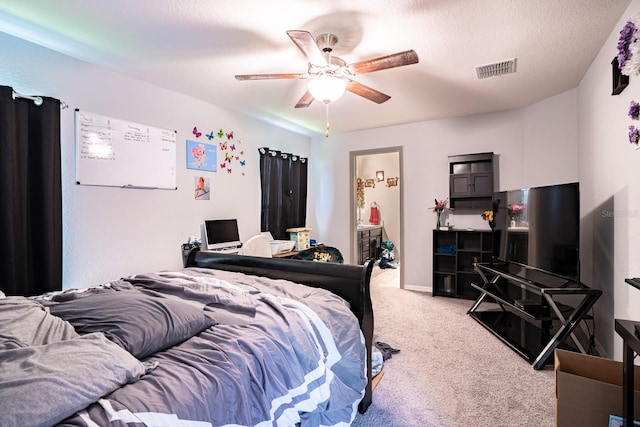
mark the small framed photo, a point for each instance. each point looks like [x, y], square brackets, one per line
[202, 188]
[620, 81]
[392, 182]
[380, 176]
[369, 183]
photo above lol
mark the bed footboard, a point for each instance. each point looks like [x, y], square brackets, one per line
[351, 282]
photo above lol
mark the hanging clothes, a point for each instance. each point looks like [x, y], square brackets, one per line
[374, 216]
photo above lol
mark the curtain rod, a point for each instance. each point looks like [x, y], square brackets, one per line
[36, 99]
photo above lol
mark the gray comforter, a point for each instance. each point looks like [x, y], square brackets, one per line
[227, 350]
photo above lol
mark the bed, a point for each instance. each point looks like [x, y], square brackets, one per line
[227, 341]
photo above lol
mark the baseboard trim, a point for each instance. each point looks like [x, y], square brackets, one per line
[417, 288]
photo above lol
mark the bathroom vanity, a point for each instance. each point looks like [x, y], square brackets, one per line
[368, 241]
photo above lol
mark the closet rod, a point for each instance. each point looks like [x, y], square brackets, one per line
[36, 99]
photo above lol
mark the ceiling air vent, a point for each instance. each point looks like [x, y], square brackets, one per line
[497, 69]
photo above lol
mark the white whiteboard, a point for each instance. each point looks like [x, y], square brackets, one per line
[119, 153]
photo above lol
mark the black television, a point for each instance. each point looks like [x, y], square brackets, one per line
[221, 234]
[539, 228]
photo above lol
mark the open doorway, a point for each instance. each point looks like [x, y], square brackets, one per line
[376, 209]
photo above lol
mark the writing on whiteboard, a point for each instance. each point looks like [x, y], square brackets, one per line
[116, 152]
[96, 139]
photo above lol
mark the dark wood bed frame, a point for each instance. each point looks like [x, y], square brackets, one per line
[350, 282]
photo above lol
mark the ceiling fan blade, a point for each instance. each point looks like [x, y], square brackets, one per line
[305, 101]
[389, 61]
[367, 92]
[307, 45]
[270, 76]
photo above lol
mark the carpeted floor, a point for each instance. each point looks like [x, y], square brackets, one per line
[450, 370]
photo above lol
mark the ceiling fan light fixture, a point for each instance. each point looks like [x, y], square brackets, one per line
[326, 88]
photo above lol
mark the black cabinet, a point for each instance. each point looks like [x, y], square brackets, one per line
[471, 178]
[369, 241]
[454, 254]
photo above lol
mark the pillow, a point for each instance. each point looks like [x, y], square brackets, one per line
[141, 324]
[43, 385]
[25, 323]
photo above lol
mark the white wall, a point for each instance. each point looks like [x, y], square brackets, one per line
[111, 232]
[610, 191]
[536, 146]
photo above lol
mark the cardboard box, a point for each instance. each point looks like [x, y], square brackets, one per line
[300, 235]
[589, 389]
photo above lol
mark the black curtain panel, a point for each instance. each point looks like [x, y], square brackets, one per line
[30, 195]
[283, 180]
[298, 191]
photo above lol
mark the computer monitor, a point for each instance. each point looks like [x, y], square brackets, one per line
[220, 234]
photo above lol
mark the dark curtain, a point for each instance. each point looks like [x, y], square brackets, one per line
[30, 195]
[283, 180]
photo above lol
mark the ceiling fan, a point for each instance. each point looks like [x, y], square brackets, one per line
[329, 76]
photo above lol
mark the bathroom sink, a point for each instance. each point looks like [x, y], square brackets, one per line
[366, 226]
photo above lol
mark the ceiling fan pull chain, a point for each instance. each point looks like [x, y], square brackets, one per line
[326, 133]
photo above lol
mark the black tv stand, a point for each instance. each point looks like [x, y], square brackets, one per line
[532, 311]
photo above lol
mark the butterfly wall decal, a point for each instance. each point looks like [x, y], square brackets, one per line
[229, 145]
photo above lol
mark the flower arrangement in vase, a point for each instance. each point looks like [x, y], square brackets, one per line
[360, 193]
[487, 215]
[438, 209]
[359, 196]
[514, 213]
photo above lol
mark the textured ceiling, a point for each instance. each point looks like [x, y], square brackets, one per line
[196, 47]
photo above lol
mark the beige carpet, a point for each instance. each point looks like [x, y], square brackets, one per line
[385, 277]
[450, 370]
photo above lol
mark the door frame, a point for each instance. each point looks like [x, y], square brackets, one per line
[353, 155]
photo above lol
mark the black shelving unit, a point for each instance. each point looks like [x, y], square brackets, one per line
[531, 310]
[454, 254]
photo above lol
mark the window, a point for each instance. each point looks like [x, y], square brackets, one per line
[283, 179]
